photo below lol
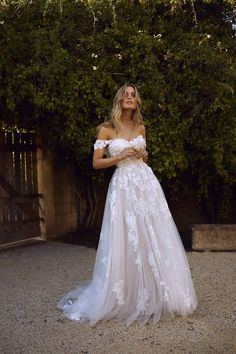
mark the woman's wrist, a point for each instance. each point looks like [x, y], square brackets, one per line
[118, 158]
[145, 156]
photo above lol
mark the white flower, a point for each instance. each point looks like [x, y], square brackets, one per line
[158, 35]
[94, 67]
[94, 55]
[119, 56]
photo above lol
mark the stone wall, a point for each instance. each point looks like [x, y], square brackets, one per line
[214, 237]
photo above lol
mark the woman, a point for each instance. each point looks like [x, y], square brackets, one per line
[141, 269]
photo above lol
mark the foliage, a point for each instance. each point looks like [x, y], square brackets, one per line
[62, 61]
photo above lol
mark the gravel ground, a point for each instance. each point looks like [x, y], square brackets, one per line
[34, 278]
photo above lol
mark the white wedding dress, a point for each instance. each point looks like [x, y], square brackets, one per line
[141, 269]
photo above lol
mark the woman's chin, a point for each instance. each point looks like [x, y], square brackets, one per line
[128, 107]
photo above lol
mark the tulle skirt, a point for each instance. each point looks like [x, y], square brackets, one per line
[141, 270]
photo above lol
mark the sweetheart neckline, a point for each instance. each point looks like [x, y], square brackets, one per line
[127, 139]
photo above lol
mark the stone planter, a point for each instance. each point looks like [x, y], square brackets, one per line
[214, 237]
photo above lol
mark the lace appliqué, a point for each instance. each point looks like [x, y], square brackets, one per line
[133, 237]
[154, 241]
[132, 233]
[153, 265]
[112, 199]
[165, 290]
[142, 302]
[100, 144]
[118, 288]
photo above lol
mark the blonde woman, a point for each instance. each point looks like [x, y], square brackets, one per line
[141, 270]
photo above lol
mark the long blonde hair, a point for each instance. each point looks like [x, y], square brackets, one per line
[115, 118]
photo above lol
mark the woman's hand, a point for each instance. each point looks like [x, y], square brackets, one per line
[127, 152]
[142, 153]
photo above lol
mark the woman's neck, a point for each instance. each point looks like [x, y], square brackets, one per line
[128, 125]
[126, 117]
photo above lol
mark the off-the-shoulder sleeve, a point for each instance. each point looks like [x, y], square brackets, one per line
[100, 144]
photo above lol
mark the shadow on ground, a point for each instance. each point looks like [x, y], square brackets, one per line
[91, 239]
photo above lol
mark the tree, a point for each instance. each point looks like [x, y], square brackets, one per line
[62, 61]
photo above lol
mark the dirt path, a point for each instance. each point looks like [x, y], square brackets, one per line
[33, 279]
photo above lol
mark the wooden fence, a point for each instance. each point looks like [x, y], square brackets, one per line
[19, 198]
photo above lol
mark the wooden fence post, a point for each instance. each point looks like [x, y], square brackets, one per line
[45, 164]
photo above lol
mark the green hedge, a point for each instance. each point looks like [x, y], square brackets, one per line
[62, 61]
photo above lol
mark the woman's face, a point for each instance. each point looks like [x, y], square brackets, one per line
[129, 99]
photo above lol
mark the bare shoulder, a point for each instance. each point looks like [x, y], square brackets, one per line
[105, 133]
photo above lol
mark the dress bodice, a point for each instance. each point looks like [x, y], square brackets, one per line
[115, 146]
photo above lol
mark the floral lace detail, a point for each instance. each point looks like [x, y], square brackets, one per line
[153, 265]
[132, 234]
[133, 238]
[138, 140]
[135, 177]
[154, 241]
[165, 292]
[138, 262]
[117, 145]
[100, 144]
[107, 264]
[142, 301]
[118, 288]
[112, 200]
